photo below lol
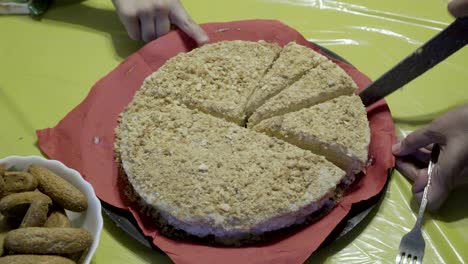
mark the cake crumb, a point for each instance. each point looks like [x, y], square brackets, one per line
[202, 168]
[224, 207]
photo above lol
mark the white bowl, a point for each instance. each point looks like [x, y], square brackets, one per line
[91, 219]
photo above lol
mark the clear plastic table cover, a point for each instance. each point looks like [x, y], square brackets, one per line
[47, 66]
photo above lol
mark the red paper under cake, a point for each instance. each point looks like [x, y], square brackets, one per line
[84, 140]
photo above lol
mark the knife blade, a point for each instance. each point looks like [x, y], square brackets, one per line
[441, 46]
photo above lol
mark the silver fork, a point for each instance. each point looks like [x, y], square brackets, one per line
[412, 244]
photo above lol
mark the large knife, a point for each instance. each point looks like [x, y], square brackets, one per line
[444, 44]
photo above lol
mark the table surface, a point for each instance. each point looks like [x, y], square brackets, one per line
[48, 65]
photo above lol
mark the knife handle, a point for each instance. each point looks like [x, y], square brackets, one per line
[441, 46]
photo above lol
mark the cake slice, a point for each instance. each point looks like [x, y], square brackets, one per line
[210, 177]
[320, 84]
[293, 61]
[337, 129]
[216, 78]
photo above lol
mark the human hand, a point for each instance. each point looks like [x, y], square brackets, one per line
[150, 19]
[458, 8]
[450, 131]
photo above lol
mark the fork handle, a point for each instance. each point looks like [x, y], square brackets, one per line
[422, 208]
[430, 171]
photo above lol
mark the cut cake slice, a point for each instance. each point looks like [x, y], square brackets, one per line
[320, 84]
[337, 129]
[293, 61]
[216, 78]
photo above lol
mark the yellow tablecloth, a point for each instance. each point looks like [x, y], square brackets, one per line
[47, 67]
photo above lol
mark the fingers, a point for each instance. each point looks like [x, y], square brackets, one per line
[407, 168]
[132, 25]
[416, 140]
[163, 24]
[439, 191]
[446, 174]
[421, 181]
[422, 155]
[181, 19]
[414, 173]
[463, 179]
[148, 31]
[458, 8]
[449, 172]
[150, 19]
[155, 24]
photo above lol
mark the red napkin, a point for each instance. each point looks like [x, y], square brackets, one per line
[84, 141]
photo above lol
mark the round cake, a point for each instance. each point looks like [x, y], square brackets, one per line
[237, 139]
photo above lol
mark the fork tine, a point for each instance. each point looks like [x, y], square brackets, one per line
[409, 259]
[398, 258]
[405, 259]
[418, 261]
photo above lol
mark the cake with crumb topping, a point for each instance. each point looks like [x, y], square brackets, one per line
[197, 167]
[207, 176]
